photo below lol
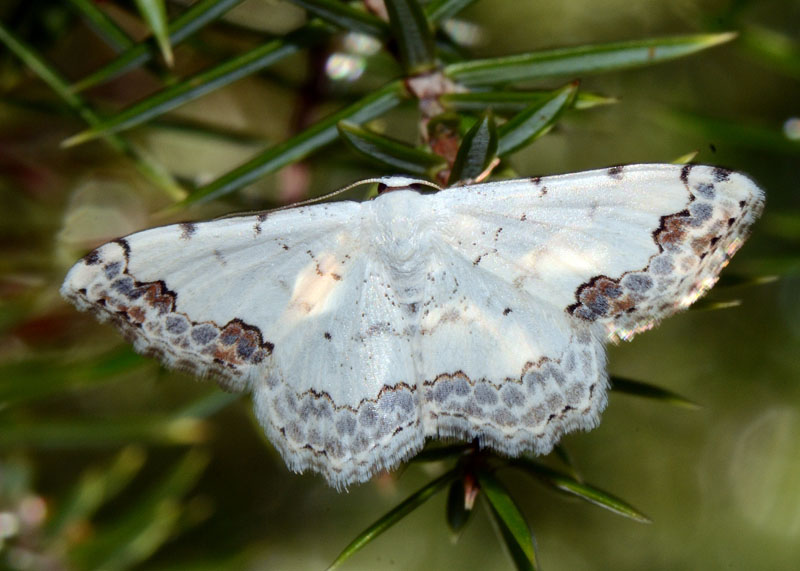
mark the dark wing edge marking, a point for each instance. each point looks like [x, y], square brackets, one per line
[144, 312]
[703, 245]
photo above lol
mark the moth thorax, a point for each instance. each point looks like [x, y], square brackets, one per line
[397, 216]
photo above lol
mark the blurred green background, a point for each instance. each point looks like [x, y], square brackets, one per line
[108, 461]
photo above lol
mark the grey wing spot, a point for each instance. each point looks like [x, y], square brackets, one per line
[531, 412]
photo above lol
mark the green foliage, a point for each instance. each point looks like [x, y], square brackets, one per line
[154, 12]
[581, 60]
[513, 527]
[67, 391]
[393, 154]
[155, 172]
[477, 150]
[131, 536]
[392, 517]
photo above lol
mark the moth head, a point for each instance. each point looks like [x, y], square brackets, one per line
[397, 182]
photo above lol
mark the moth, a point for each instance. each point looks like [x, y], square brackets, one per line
[478, 312]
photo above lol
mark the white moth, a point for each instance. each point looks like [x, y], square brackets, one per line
[476, 312]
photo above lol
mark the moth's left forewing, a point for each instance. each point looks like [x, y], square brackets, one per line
[693, 245]
[624, 247]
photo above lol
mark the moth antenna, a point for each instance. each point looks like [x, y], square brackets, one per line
[391, 182]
